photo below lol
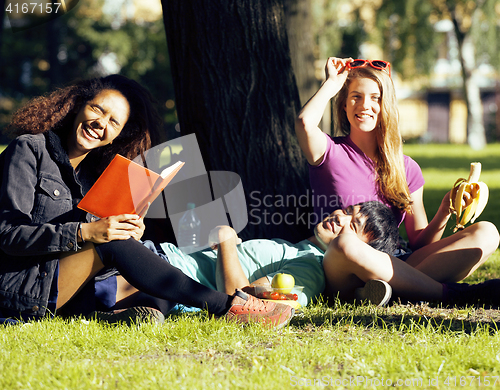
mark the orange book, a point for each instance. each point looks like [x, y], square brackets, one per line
[126, 187]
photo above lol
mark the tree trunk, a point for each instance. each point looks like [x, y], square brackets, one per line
[476, 136]
[300, 37]
[54, 30]
[235, 89]
[2, 19]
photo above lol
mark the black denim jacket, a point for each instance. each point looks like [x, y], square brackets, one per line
[39, 217]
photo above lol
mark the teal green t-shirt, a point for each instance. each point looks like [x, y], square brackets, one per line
[259, 258]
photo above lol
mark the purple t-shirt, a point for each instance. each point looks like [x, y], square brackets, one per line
[346, 176]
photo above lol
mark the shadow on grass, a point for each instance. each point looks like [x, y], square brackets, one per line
[403, 318]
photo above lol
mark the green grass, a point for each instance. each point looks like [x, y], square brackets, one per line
[359, 345]
[194, 352]
[442, 165]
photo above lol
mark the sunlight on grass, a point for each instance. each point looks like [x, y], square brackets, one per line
[192, 351]
[443, 164]
[339, 346]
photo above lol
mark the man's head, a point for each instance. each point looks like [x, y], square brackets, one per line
[373, 222]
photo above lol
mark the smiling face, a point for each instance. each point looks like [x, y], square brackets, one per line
[98, 122]
[363, 105]
[348, 220]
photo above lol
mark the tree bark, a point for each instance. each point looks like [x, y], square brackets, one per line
[54, 30]
[2, 18]
[476, 136]
[235, 89]
[300, 37]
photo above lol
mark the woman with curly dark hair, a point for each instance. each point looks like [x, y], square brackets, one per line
[57, 111]
[50, 249]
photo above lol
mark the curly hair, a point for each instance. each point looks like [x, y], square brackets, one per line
[390, 167]
[56, 111]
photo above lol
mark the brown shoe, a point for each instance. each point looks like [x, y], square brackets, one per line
[132, 315]
[246, 309]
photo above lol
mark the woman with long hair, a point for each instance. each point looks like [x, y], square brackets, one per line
[50, 249]
[366, 162]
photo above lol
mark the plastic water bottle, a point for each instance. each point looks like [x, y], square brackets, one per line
[189, 230]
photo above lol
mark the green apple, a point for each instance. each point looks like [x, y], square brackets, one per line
[285, 282]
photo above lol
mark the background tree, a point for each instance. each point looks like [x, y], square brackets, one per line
[86, 42]
[2, 16]
[300, 30]
[339, 29]
[235, 90]
[406, 31]
[465, 16]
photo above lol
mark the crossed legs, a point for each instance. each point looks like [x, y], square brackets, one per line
[349, 263]
[143, 269]
[75, 270]
[453, 258]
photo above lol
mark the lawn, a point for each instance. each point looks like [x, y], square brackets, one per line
[343, 346]
[442, 165]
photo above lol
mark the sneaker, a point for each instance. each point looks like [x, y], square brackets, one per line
[460, 294]
[376, 292]
[132, 315]
[246, 308]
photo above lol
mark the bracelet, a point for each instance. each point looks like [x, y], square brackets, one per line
[80, 231]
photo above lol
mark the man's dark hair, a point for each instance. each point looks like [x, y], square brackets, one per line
[380, 226]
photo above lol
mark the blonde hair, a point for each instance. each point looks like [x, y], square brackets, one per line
[389, 164]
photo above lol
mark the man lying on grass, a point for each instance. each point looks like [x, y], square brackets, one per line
[235, 264]
[348, 244]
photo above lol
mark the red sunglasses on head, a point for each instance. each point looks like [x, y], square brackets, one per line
[376, 64]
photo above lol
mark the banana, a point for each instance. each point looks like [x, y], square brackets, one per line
[468, 198]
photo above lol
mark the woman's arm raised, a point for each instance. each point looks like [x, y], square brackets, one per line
[311, 139]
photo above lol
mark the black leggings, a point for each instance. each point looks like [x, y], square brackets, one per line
[151, 274]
